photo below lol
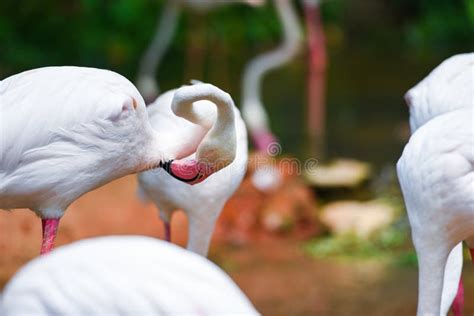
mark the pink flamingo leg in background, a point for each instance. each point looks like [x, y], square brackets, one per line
[50, 228]
[316, 77]
[167, 231]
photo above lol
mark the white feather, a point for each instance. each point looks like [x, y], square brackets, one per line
[123, 276]
[436, 173]
[448, 87]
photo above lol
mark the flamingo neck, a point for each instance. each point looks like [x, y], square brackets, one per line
[252, 108]
[218, 148]
[50, 228]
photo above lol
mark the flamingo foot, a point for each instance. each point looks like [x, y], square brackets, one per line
[458, 303]
[50, 228]
[167, 231]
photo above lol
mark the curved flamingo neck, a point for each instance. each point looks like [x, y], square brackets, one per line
[50, 228]
[252, 108]
[220, 142]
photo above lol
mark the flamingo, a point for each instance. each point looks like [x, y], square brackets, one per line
[446, 88]
[437, 182]
[203, 202]
[253, 110]
[69, 130]
[164, 32]
[128, 275]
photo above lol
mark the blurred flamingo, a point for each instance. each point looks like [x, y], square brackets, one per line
[436, 175]
[69, 130]
[203, 202]
[253, 111]
[129, 275]
[252, 106]
[147, 73]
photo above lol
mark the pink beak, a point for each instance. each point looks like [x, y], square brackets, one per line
[189, 171]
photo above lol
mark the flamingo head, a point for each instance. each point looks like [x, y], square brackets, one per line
[210, 157]
[218, 147]
[189, 171]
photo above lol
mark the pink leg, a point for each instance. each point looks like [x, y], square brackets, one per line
[458, 303]
[316, 77]
[50, 228]
[167, 231]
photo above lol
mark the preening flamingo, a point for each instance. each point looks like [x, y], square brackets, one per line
[68, 130]
[437, 179]
[203, 202]
[165, 29]
[123, 275]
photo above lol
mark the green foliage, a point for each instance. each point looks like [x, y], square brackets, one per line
[114, 34]
[390, 244]
[443, 24]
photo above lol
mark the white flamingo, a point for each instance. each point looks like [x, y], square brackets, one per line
[68, 130]
[203, 202]
[436, 175]
[253, 110]
[268, 178]
[123, 275]
[164, 32]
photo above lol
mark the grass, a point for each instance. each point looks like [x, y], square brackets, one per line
[391, 244]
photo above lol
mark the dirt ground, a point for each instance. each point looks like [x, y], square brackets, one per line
[281, 280]
[273, 271]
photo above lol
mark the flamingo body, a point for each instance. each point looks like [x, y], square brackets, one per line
[203, 202]
[436, 176]
[127, 276]
[68, 130]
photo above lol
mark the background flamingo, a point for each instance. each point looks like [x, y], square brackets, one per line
[446, 89]
[252, 106]
[202, 203]
[253, 110]
[128, 276]
[69, 130]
